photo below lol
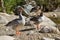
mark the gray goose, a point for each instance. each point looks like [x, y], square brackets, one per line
[17, 23]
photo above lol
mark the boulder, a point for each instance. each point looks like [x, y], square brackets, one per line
[4, 14]
[44, 38]
[57, 38]
[6, 31]
[6, 38]
[3, 20]
[49, 29]
[57, 10]
[48, 22]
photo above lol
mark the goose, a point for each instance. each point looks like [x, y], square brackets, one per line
[37, 19]
[17, 23]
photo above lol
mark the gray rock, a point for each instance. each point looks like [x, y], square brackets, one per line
[27, 8]
[45, 29]
[49, 29]
[44, 38]
[57, 10]
[6, 31]
[57, 38]
[6, 38]
[48, 22]
[3, 20]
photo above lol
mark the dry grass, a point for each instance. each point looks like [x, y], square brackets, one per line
[56, 20]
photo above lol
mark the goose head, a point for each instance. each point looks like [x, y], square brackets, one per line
[20, 9]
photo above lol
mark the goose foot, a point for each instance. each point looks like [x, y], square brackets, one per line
[18, 33]
[38, 27]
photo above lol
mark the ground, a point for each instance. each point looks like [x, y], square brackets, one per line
[32, 35]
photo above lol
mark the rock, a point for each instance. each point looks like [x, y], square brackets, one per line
[45, 29]
[3, 20]
[27, 8]
[54, 15]
[57, 38]
[44, 38]
[5, 14]
[49, 29]
[48, 22]
[6, 38]
[6, 31]
[57, 10]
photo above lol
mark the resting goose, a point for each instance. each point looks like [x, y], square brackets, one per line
[17, 23]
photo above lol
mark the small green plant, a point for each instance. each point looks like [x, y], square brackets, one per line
[11, 4]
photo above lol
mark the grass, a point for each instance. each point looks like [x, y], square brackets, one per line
[56, 20]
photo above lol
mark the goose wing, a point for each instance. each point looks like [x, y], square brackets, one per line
[13, 22]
